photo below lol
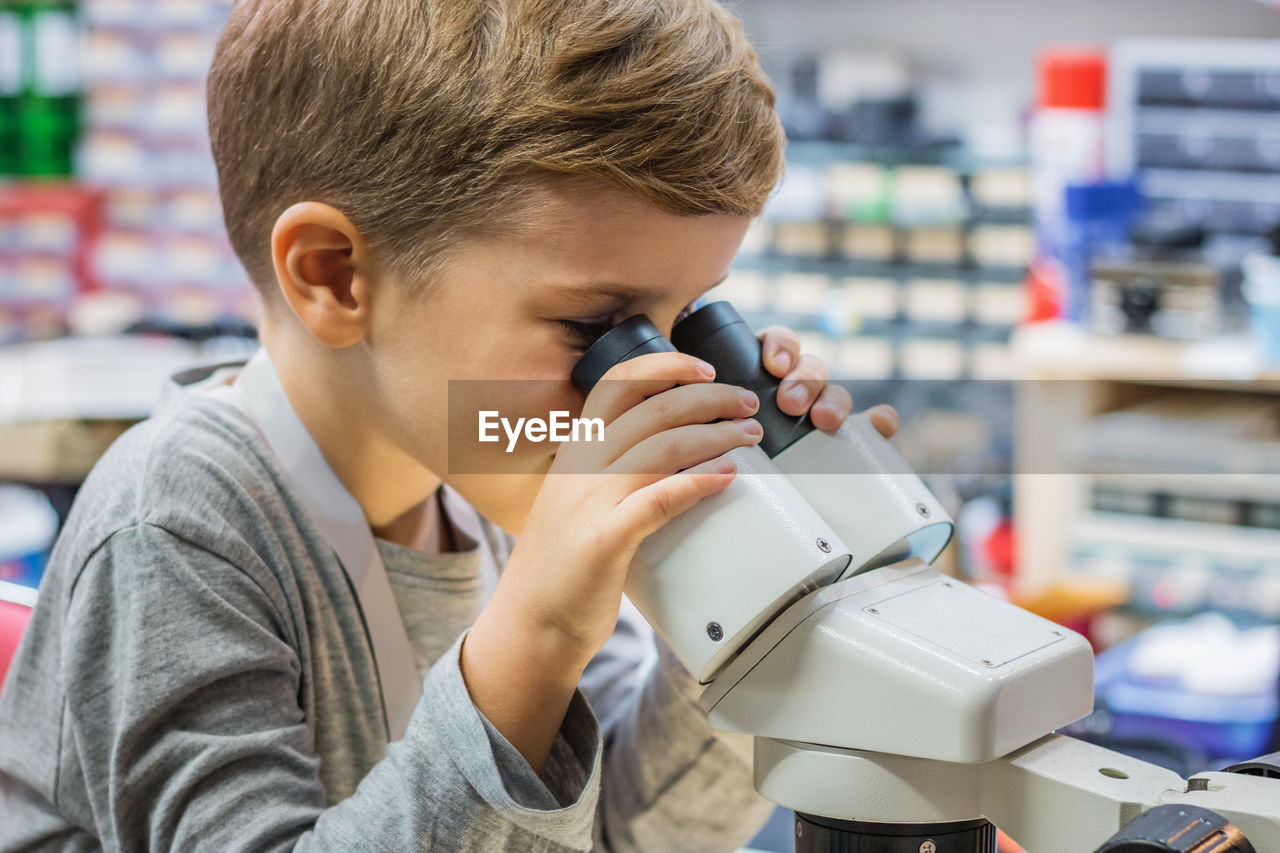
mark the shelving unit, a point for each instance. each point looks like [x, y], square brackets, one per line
[146, 147]
[1188, 521]
[892, 264]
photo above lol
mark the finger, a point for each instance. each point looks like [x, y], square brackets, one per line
[646, 510]
[833, 405]
[680, 406]
[677, 449]
[632, 381]
[781, 349]
[802, 385]
[885, 419]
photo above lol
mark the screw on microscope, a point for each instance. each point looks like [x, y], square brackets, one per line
[715, 632]
[824, 546]
[923, 510]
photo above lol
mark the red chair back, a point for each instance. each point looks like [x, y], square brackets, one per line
[13, 621]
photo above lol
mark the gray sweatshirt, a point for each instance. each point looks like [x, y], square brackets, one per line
[197, 675]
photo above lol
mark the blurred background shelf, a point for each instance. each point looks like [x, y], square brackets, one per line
[1137, 464]
[1065, 351]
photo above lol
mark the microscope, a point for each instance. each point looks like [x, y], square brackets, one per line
[894, 709]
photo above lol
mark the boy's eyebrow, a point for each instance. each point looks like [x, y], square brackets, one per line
[621, 292]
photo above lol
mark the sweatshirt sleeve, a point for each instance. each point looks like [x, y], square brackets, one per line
[183, 700]
[669, 782]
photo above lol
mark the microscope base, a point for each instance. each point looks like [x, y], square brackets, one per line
[827, 835]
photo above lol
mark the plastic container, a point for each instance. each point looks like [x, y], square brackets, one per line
[1219, 719]
[1262, 292]
[28, 526]
[1097, 221]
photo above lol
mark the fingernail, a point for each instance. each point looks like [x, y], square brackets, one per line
[797, 392]
[724, 466]
[750, 399]
[752, 428]
[827, 408]
[706, 369]
[783, 359]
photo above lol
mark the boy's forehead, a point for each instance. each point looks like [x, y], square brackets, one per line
[592, 242]
[631, 267]
[605, 296]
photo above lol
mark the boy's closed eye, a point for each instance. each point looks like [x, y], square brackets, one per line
[582, 333]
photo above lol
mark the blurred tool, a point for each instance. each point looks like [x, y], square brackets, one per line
[1180, 300]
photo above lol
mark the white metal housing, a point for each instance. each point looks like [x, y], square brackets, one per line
[906, 661]
[866, 491]
[735, 559]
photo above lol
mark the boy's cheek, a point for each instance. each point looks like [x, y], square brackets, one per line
[509, 426]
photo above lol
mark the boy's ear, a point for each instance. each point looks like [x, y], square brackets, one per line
[323, 265]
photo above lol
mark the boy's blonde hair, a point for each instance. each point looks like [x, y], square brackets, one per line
[426, 120]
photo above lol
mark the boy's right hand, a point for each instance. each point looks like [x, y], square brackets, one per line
[667, 427]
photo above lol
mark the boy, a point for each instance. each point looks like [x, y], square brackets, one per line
[278, 618]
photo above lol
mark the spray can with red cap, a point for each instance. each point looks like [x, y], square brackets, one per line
[1067, 143]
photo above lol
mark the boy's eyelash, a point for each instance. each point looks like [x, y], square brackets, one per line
[584, 333]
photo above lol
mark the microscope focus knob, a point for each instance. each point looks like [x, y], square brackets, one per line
[1178, 829]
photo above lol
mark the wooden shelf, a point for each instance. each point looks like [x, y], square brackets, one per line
[1064, 351]
[1051, 491]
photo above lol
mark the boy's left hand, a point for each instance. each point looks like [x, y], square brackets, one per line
[804, 385]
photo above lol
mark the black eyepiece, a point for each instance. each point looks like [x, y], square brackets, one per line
[631, 338]
[717, 334]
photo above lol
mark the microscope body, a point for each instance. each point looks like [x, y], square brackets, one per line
[802, 596]
[906, 661]
[892, 706]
